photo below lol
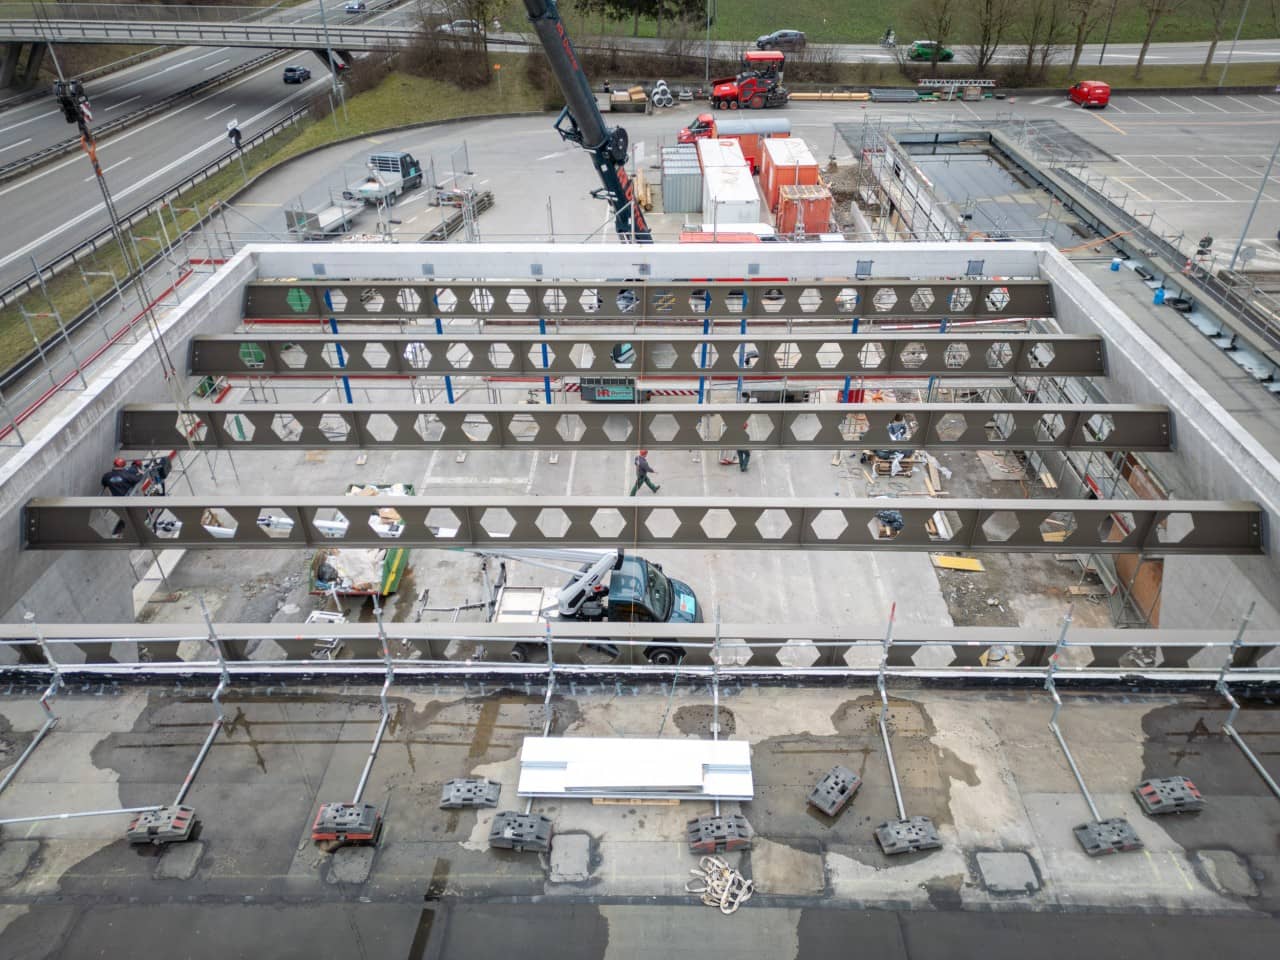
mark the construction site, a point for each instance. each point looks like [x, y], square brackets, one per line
[830, 532]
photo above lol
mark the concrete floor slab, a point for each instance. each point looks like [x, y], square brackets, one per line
[570, 858]
[1011, 872]
[179, 861]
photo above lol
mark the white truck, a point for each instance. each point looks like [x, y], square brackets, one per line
[390, 174]
[323, 222]
[602, 585]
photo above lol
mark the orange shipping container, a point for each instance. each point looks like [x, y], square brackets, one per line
[807, 204]
[786, 161]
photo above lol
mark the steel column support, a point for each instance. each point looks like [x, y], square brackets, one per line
[1057, 707]
[1229, 725]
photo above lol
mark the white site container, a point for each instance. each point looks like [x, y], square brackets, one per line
[729, 196]
[720, 152]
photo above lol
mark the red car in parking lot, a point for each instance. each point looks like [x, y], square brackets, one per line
[1090, 93]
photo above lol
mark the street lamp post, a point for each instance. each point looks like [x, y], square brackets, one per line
[1254, 209]
[1107, 35]
[1222, 80]
[707, 49]
[333, 64]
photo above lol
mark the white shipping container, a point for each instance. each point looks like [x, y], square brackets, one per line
[729, 196]
[716, 152]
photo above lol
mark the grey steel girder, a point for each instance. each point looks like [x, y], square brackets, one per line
[1151, 527]
[1028, 426]
[656, 355]
[829, 645]
[639, 300]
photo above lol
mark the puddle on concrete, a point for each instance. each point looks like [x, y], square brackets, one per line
[696, 721]
[12, 743]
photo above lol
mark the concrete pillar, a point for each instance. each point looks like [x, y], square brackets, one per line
[34, 59]
[9, 62]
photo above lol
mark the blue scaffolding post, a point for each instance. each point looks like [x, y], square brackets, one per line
[928, 398]
[848, 380]
[448, 380]
[342, 359]
[706, 331]
[546, 361]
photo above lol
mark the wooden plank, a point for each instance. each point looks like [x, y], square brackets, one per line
[1087, 590]
[972, 564]
[935, 481]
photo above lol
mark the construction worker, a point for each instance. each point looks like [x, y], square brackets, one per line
[642, 474]
[122, 477]
[744, 456]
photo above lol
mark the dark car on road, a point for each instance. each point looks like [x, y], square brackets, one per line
[782, 40]
[296, 74]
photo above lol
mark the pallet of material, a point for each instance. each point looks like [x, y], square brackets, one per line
[1087, 590]
[884, 468]
[831, 95]
[636, 801]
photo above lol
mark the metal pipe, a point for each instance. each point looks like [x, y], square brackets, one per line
[373, 750]
[35, 742]
[1230, 730]
[888, 749]
[1266, 175]
[195, 767]
[1053, 725]
[75, 816]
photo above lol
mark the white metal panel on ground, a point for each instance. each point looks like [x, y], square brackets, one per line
[720, 152]
[620, 766]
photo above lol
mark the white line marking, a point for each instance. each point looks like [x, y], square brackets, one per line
[1208, 104]
[1143, 105]
[1178, 105]
[1130, 186]
[123, 102]
[1112, 106]
[1249, 106]
[229, 106]
[1209, 188]
[112, 167]
[215, 66]
[12, 145]
[1040, 100]
[23, 123]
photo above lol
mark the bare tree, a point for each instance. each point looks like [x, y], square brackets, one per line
[935, 19]
[1038, 30]
[1083, 16]
[1153, 11]
[990, 19]
[1217, 11]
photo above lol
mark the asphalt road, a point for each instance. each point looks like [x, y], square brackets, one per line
[1117, 54]
[30, 127]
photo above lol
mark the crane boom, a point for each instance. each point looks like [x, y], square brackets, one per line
[586, 125]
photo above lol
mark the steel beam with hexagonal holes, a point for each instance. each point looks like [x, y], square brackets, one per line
[756, 426]
[639, 300]
[650, 354]
[1152, 527]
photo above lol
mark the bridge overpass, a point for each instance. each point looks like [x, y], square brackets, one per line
[298, 36]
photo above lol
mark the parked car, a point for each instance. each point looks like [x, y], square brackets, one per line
[296, 74]
[355, 6]
[923, 50]
[461, 28]
[1090, 93]
[782, 40]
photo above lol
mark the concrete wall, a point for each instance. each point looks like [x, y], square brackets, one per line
[666, 261]
[1216, 458]
[68, 456]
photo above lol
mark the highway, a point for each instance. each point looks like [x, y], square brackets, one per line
[28, 128]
